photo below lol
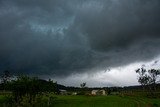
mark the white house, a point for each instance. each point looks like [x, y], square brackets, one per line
[98, 92]
[93, 92]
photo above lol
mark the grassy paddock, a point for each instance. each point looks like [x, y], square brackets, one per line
[105, 101]
[97, 101]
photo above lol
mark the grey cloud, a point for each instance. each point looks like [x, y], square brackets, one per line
[61, 37]
[120, 24]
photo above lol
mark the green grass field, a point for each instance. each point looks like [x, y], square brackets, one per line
[105, 101]
[99, 101]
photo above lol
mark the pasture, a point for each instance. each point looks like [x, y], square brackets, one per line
[95, 101]
[105, 101]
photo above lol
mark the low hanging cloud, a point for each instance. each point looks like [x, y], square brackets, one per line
[62, 37]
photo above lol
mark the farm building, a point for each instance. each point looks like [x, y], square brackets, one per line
[63, 92]
[74, 93]
[98, 92]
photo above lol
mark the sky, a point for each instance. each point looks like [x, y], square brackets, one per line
[100, 42]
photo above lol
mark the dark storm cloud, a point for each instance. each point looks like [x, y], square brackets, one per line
[61, 37]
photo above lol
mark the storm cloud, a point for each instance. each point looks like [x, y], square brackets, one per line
[62, 37]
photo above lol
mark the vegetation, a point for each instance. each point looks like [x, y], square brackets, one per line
[83, 85]
[104, 101]
[5, 78]
[25, 91]
[148, 79]
[94, 101]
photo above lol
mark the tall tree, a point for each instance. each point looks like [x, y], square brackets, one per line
[83, 85]
[5, 77]
[148, 77]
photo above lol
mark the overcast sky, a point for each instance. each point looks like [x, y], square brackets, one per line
[100, 42]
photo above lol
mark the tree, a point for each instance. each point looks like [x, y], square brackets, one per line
[83, 85]
[148, 77]
[5, 77]
[83, 89]
[154, 74]
[25, 86]
[26, 89]
[143, 79]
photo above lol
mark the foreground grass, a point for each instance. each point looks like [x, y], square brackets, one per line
[99, 101]
[105, 101]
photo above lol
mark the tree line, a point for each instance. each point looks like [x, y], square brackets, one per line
[25, 87]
